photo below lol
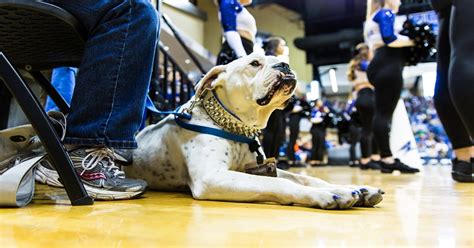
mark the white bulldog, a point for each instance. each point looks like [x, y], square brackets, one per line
[171, 158]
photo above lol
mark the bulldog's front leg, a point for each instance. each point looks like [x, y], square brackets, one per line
[213, 181]
[367, 196]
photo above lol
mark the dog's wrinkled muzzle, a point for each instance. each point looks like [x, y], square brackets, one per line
[286, 83]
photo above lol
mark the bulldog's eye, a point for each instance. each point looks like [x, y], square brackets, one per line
[255, 63]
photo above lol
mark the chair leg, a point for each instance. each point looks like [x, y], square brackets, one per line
[52, 92]
[40, 122]
[5, 99]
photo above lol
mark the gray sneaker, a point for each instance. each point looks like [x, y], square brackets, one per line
[123, 156]
[102, 179]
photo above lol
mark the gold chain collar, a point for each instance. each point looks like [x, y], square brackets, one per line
[221, 116]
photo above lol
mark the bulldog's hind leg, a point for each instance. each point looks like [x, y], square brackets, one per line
[366, 196]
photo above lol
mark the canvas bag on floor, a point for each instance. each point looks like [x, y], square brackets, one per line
[20, 152]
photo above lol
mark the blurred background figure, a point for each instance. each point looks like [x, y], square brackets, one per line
[239, 29]
[365, 106]
[298, 108]
[274, 133]
[454, 92]
[320, 121]
[64, 80]
[385, 73]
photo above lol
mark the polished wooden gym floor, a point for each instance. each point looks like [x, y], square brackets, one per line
[427, 210]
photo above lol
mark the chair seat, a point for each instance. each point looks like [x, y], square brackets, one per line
[38, 35]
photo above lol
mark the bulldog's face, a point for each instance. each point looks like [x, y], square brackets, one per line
[252, 87]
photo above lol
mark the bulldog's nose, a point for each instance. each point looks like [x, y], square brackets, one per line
[283, 67]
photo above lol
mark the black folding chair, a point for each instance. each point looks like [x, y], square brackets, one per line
[37, 36]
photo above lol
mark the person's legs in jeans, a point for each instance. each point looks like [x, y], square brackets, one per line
[109, 97]
[115, 72]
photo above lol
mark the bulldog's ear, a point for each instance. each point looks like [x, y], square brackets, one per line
[206, 81]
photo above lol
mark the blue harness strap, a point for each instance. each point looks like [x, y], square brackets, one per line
[150, 106]
[253, 144]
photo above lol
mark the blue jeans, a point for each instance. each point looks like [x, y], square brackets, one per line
[109, 98]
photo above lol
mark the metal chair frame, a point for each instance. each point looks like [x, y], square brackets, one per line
[17, 13]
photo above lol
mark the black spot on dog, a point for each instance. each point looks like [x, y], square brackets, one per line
[226, 153]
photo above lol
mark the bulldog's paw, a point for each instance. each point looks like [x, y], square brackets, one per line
[345, 197]
[337, 198]
[369, 197]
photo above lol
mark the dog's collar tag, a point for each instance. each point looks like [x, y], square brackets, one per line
[267, 168]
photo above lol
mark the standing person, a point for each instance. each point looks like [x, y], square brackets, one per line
[355, 131]
[298, 108]
[109, 95]
[385, 73]
[454, 90]
[318, 132]
[239, 29]
[364, 104]
[274, 133]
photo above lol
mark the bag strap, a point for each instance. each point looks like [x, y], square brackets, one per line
[17, 184]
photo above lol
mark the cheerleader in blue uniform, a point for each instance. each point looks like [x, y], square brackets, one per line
[385, 73]
[454, 91]
[239, 29]
[365, 108]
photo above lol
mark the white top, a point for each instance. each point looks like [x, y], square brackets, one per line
[246, 22]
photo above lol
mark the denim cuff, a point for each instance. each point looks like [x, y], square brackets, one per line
[118, 144]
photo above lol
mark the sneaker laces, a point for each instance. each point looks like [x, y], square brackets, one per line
[96, 155]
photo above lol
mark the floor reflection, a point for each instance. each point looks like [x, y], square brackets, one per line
[418, 210]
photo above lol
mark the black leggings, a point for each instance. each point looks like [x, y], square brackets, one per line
[274, 134]
[365, 104]
[454, 91]
[318, 137]
[355, 132]
[385, 73]
[294, 123]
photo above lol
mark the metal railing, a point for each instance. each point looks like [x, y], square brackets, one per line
[170, 85]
